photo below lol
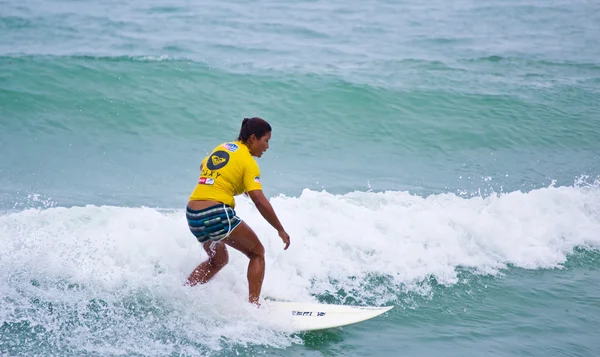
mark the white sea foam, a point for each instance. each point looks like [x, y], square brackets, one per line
[126, 266]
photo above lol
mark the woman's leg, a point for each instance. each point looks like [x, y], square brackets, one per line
[217, 259]
[245, 240]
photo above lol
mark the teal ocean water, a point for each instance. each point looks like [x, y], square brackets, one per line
[441, 157]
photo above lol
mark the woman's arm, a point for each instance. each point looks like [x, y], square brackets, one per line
[266, 210]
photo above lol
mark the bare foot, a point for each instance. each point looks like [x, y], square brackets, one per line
[255, 303]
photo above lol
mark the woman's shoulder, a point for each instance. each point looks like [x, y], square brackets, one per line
[230, 146]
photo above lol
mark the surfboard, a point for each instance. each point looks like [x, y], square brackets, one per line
[314, 316]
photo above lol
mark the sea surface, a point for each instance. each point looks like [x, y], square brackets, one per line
[441, 157]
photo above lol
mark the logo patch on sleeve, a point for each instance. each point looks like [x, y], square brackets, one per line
[257, 179]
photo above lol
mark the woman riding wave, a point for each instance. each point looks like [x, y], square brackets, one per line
[228, 171]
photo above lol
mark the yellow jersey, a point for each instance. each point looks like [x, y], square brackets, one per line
[228, 171]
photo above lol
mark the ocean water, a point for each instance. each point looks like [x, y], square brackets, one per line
[441, 157]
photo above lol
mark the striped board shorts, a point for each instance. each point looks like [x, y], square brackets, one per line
[212, 223]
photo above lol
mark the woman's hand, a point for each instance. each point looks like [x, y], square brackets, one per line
[285, 238]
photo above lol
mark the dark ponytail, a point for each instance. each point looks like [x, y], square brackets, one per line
[257, 126]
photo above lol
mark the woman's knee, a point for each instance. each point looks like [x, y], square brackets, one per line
[221, 260]
[258, 251]
[217, 254]
[256, 247]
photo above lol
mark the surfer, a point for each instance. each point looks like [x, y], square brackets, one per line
[228, 171]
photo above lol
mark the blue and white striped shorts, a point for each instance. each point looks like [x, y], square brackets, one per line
[212, 223]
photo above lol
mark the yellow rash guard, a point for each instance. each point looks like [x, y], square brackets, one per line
[228, 171]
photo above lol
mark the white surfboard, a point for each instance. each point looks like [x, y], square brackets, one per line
[313, 316]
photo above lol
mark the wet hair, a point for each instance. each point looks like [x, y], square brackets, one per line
[257, 126]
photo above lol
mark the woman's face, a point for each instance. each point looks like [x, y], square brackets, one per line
[259, 146]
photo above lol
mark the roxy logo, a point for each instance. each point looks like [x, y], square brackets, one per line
[217, 160]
